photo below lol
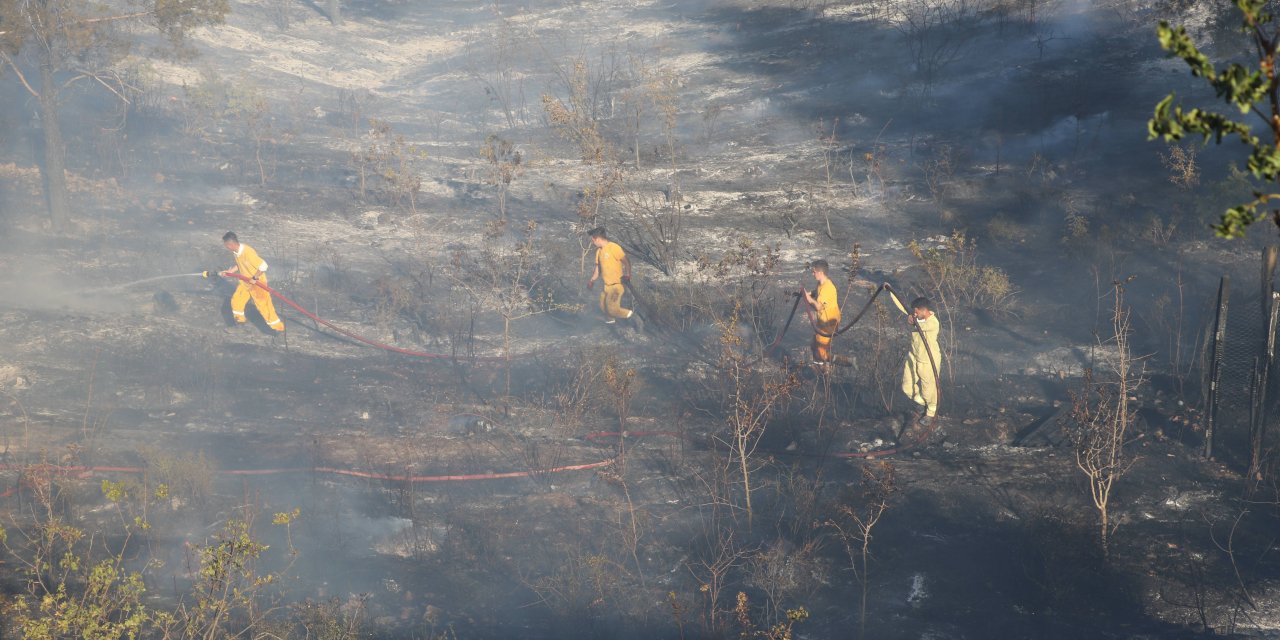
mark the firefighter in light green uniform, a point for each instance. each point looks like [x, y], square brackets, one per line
[918, 380]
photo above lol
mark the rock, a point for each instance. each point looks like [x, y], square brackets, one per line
[469, 425]
[370, 220]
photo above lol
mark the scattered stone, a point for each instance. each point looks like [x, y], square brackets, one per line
[469, 425]
[919, 591]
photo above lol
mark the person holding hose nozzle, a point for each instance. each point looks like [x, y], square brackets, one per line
[613, 267]
[254, 268]
[824, 303]
[919, 379]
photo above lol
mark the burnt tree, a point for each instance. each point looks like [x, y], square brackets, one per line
[52, 45]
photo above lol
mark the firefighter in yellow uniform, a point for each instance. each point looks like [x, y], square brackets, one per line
[255, 268]
[612, 267]
[824, 303]
[919, 381]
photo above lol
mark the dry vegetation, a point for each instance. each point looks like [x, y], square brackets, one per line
[729, 491]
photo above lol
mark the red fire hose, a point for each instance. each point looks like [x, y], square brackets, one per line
[86, 470]
[358, 338]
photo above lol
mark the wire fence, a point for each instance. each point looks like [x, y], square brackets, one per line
[1240, 390]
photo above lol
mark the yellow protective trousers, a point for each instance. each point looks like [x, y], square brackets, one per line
[821, 346]
[261, 299]
[611, 301]
[919, 384]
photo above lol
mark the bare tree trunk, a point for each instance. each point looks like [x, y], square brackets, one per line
[1105, 523]
[862, 608]
[743, 457]
[335, 12]
[54, 171]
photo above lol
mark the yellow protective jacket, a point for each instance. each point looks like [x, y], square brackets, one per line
[828, 305]
[929, 327]
[609, 260]
[248, 263]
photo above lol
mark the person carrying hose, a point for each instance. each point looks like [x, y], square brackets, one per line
[824, 303]
[612, 267]
[919, 379]
[254, 268]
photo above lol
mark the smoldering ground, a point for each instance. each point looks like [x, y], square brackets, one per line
[744, 139]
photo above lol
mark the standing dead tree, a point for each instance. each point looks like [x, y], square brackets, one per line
[51, 45]
[506, 279]
[856, 518]
[936, 33]
[491, 62]
[752, 396]
[386, 156]
[504, 167]
[1102, 416]
[712, 571]
[648, 225]
[575, 117]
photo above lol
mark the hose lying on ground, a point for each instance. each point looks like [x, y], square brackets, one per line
[358, 338]
[86, 470]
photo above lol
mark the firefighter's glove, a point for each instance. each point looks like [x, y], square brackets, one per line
[591, 284]
[626, 279]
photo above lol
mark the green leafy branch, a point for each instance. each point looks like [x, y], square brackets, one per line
[1249, 90]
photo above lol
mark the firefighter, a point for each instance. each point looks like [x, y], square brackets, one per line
[253, 267]
[919, 381]
[614, 269]
[825, 305]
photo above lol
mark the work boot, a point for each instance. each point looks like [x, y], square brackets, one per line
[901, 425]
[926, 421]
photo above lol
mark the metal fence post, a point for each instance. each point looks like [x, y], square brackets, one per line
[1215, 365]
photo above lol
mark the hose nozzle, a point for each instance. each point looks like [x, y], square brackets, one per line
[204, 274]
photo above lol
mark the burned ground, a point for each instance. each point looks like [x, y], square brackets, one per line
[767, 135]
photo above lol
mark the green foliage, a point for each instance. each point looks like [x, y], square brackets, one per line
[1250, 90]
[286, 517]
[108, 607]
[780, 631]
[74, 591]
